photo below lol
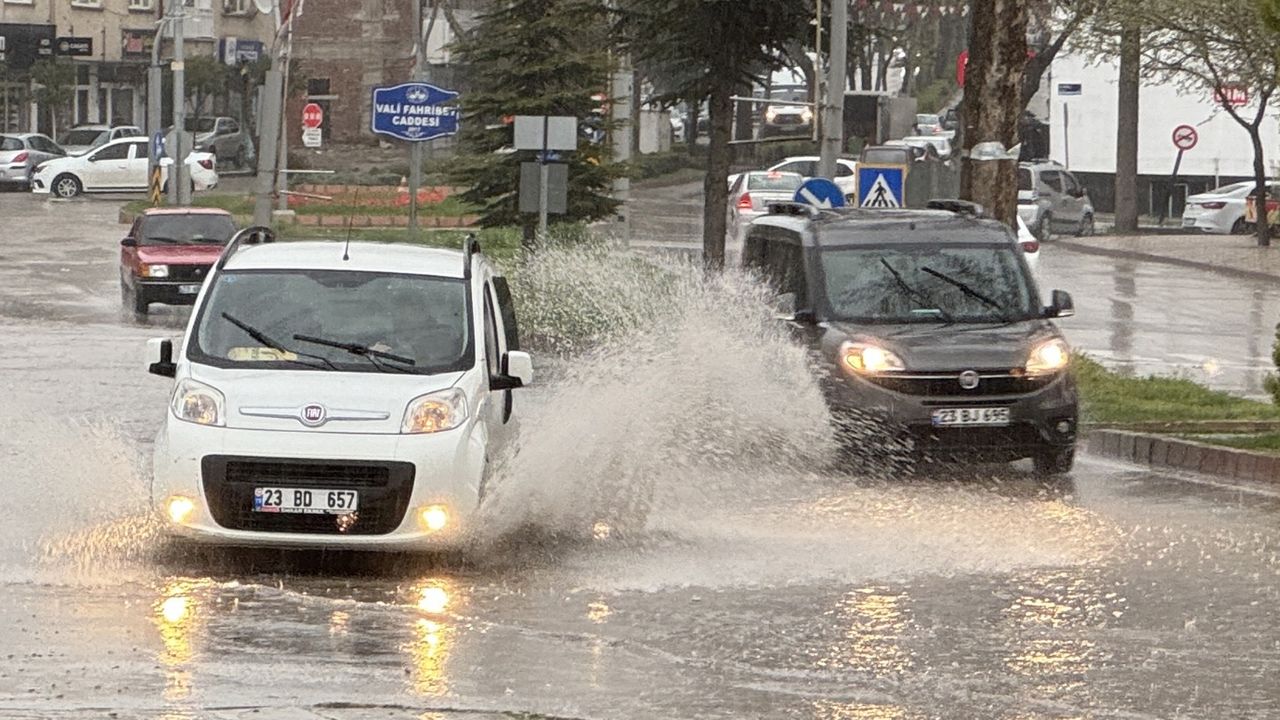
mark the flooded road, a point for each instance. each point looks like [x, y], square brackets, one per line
[767, 585]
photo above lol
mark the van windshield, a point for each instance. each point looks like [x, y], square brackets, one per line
[417, 317]
[927, 283]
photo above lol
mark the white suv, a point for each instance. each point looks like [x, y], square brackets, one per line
[335, 396]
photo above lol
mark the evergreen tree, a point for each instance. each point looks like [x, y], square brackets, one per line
[533, 57]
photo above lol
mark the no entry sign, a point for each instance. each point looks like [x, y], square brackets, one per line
[312, 116]
[1185, 137]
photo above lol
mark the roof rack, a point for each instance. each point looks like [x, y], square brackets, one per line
[959, 207]
[252, 235]
[470, 246]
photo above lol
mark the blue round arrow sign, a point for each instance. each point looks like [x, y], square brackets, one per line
[820, 192]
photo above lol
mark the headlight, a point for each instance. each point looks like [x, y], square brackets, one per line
[770, 115]
[807, 115]
[1048, 357]
[437, 412]
[868, 359]
[155, 271]
[198, 403]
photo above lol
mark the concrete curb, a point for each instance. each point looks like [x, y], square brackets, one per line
[1087, 249]
[1175, 453]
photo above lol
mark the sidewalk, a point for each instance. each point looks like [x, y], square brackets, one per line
[1236, 255]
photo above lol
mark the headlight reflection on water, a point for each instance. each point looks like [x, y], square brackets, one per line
[432, 638]
[177, 619]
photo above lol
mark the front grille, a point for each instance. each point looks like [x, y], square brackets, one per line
[788, 119]
[384, 489]
[193, 273]
[991, 382]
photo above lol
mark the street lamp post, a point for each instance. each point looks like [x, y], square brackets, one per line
[833, 108]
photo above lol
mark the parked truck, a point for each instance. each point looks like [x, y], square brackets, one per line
[874, 117]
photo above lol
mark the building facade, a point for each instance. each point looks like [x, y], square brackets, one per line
[342, 49]
[109, 45]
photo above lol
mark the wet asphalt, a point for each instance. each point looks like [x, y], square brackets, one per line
[816, 594]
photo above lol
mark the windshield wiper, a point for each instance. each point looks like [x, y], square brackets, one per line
[161, 239]
[267, 342]
[363, 351]
[962, 287]
[925, 301]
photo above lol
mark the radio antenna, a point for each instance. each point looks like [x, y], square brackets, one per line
[346, 247]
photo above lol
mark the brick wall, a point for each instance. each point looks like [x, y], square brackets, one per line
[356, 44]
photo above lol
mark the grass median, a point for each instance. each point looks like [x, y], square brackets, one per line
[1111, 398]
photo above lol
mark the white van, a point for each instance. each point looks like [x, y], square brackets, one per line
[337, 395]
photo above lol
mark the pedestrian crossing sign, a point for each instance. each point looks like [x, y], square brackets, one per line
[881, 187]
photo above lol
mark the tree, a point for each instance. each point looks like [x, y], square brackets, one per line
[1208, 46]
[993, 107]
[54, 87]
[533, 57]
[714, 46]
[1129, 89]
[1053, 23]
[205, 78]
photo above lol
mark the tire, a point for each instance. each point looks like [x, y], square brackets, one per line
[1054, 461]
[1044, 229]
[67, 186]
[133, 301]
[1240, 227]
[1086, 226]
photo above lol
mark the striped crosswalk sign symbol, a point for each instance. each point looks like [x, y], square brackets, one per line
[880, 195]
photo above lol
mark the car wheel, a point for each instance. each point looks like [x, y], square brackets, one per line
[1054, 461]
[1086, 226]
[132, 300]
[1044, 230]
[67, 186]
[1240, 227]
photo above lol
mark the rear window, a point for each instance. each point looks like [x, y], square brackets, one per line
[196, 229]
[10, 143]
[1024, 179]
[774, 181]
[84, 137]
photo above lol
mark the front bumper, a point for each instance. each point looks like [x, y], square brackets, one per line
[444, 469]
[168, 292]
[1035, 417]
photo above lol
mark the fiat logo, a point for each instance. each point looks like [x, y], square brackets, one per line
[313, 415]
[969, 380]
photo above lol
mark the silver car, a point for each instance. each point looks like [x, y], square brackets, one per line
[21, 153]
[750, 195]
[1052, 201]
[225, 138]
[83, 138]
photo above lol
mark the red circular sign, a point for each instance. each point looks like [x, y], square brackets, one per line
[1185, 137]
[312, 115]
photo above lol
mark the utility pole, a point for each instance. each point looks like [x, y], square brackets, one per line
[269, 132]
[420, 72]
[282, 163]
[833, 110]
[179, 185]
[155, 87]
[620, 111]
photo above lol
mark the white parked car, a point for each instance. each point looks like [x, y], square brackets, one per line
[941, 143]
[337, 396]
[1030, 246]
[1221, 210]
[118, 166]
[806, 166]
[750, 195]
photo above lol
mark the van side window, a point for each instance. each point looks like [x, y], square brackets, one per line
[753, 254]
[784, 267]
[507, 309]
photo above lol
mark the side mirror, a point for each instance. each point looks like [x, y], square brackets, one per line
[1061, 305]
[519, 372]
[160, 357]
[130, 241]
[804, 317]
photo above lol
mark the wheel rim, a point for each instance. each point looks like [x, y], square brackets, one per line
[66, 188]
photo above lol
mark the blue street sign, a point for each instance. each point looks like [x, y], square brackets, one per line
[157, 145]
[820, 192]
[880, 187]
[414, 111]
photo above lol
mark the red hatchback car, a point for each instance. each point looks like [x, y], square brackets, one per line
[167, 254]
